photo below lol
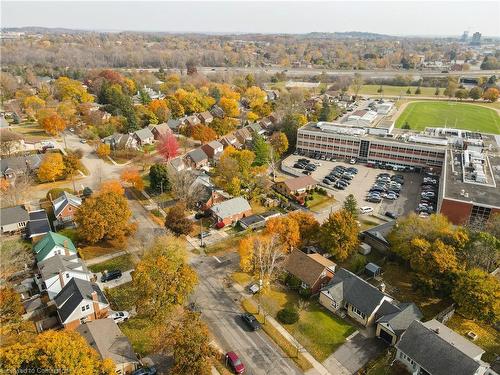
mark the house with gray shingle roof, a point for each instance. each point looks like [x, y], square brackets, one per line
[213, 150]
[80, 301]
[66, 206]
[160, 130]
[230, 211]
[13, 219]
[196, 158]
[19, 165]
[144, 136]
[394, 319]
[38, 225]
[106, 338]
[434, 349]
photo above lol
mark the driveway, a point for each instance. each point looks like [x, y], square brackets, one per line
[220, 307]
[356, 352]
[126, 278]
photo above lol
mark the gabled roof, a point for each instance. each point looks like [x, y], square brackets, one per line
[64, 200]
[307, 267]
[174, 123]
[231, 207]
[74, 292]
[398, 317]
[105, 337]
[144, 134]
[297, 183]
[243, 133]
[162, 129]
[13, 215]
[51, 240]
[346, 286]
[51, 267]
[214, 145]
[197, 155]
[439, 353]
[20, 163]
[255, 127]
[38, 223]
[205, 115]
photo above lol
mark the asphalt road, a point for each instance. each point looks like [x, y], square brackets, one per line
[220, 309]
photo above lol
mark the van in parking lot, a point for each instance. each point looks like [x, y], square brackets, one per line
[365, 210]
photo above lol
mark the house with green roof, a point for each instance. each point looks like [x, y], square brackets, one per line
[53, 244]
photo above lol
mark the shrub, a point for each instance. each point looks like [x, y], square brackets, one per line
[293, 282]
[288, 315]
[156, 213]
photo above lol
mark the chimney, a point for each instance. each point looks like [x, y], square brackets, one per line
[66, 250]
[95, 304]
[61, 278]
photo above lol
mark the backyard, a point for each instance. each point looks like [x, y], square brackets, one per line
[319, 201]
[122, 263]
[420, 115]
[397, 90]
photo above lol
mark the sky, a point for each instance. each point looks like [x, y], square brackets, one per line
[444, 18]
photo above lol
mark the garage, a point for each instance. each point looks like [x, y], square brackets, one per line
[385, 336]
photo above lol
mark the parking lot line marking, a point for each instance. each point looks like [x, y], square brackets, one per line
[217, 259]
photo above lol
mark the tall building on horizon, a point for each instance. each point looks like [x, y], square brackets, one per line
[476, 39]
[465, 36]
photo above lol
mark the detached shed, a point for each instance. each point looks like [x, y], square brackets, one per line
[372, 270]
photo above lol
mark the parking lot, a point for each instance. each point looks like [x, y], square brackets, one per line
[361, 184]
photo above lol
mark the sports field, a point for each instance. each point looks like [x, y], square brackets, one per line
[396, 90]
[420, 115]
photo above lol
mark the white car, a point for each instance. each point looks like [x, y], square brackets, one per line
[254, 288]
[366, 210]
[120, 316]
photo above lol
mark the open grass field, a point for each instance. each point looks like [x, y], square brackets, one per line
[420, 115]
[397, 90]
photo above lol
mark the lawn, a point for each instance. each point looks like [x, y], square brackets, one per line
[319, 202]
[318, 330]
[122, 263]
[230, 243]
[420, 115]
[397, 90]
[15, 253]
[488, 337]
[89, 252]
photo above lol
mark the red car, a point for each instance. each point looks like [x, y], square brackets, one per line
[234, 363]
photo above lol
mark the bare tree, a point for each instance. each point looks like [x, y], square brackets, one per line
[17, 192]
[357, 83]
[185, 186]
[269, 255]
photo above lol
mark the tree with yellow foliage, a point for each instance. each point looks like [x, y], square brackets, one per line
[229, 106]
[339, 235]
[160, 109]
[132, 176]
[103, 150]
[69, 89]
[286, 229]
[53, 124]
[32, 104]
[51, 351]
[113, 186]
[13, 328]
[51, 167]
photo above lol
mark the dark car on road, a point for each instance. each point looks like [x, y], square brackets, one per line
[251, 321]
[234, 363]
[145, 371]
[111, 275]
[390, 214]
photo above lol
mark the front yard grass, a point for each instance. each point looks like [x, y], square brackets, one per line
[230, 243]
[318, 330]
[93, 251]
[319, 202]
[488, 337]
[122, 263]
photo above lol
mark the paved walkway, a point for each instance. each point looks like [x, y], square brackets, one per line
[104, 258]
[335, 368]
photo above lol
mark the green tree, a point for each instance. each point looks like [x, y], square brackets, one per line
[478, 295]
[177, 221]
[326, 113]
[380, 90]
[339, 235]
[408, 91]
[475, 93]
[351, 206]
[158, 178]
[162, 279]
[461, 94]
[418, 91]
[261, 149]
[406, 126]
[437, 91]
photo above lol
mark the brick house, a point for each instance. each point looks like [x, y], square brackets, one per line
[230, 211]
[296, 187]
[196, 158]
[213, 150]
[66, 206]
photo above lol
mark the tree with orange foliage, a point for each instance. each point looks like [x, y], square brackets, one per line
[308, 226]
[491, 94]
[202, 133]
[53, 124]
[160, 109]
[112, 186]
[287, 231]
[103, 150]
[4, 185]
[132, 176]
[51, 167]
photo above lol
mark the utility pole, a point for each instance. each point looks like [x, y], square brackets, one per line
[201, 232]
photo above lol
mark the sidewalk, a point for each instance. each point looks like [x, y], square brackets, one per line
[318, 368]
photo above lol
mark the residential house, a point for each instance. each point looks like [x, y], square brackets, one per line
[313, 270]
[217, 111]
[243, 135]
[394, 319]
[213, 150]
[175, 125]
[230, 211]
[376, 237]
[80, 301]
[258, 220]
[13, 219]
[255, 128]
[38, 225]
[137, 98]
[144, 136]
[196, 158]
[177, 164]
[11, 142]
[58, 270]
[106, 338]
[191, 120]
[272, 95]
[3, 122]
[66, 206]
[296, 187]
[231, 140]
[265, 123]
[350, 293]
[431, 348]
[205, 117]
[11, 167]
[53, 244]
[160, 130]
[119, 141]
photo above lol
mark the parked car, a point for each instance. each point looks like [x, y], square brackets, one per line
[203, 234]
[299, 166]
[145, 371]
[327, 181]
[234, 363]
[83, 141]
[339, 186]
[308, 173]
[120, 316]
[390, 214]
[251, 321]
[391, 196]
[366, 209]
[374, 199]
[254, 288]
[352, 161]
[111, 275]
